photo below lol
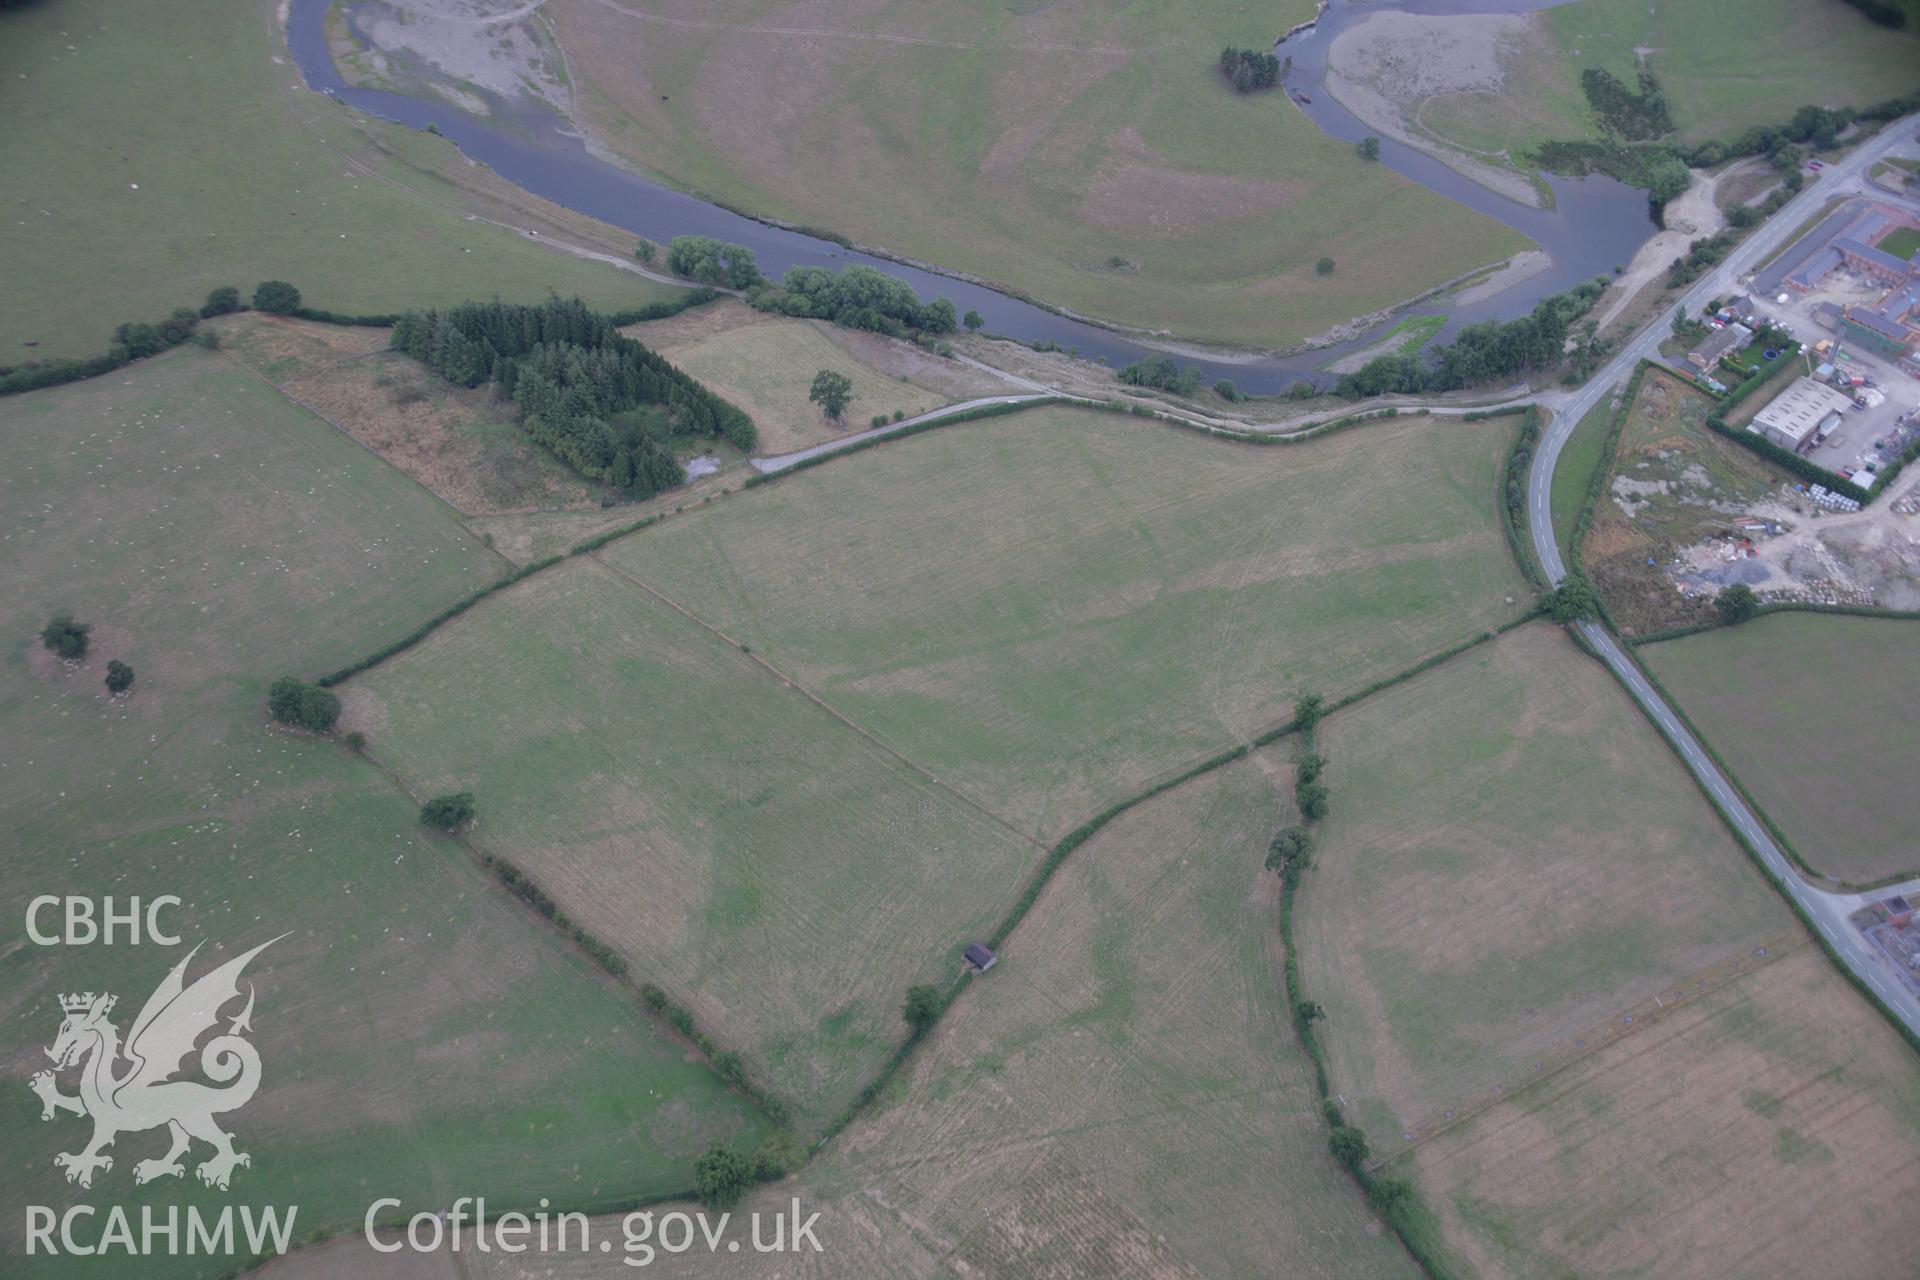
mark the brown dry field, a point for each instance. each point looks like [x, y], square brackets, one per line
[347, 1257]
[1768, 1129]
[461, 443]
[526, 536]
[1513, 857]
[766, 364]
[279, 348]
[1122, 1096]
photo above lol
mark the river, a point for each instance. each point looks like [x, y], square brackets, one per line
[1596, 223]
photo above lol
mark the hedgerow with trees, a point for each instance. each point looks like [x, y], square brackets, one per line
[857, 297]
[1481, 352]
[608, 406]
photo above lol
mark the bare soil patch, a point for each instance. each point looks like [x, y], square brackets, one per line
[1382, 68]
[1675, 493]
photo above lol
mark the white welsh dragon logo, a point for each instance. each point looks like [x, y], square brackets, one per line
[144, 1095]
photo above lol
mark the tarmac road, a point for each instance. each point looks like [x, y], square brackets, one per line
[1826, 910]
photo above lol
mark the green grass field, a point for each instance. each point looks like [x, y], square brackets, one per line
[1813, 714]
[423, 1034]
[1122, 1095]
[154, 155]
[1089, 154]
[1727, 64]
[1046, 610]
[1580, 457]
[1901, 242]
[1767, 1127]
[1512, 859]
[760, 860]
[766, 365]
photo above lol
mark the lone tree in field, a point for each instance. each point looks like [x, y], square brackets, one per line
[448, 813]
[644, 251]
[1369, 148]
[721, 1176]
[922, 1008]
[276, 297]
[119, 677]
[64, 637]
[1737, 603]
[973, 321]
[831, 391]
[291, 700]
[1324, 266]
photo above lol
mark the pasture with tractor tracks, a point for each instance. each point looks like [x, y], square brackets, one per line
[1049, 608]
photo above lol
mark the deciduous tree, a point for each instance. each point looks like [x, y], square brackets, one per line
[64, 637]
[922, 1007]
[449, 812]
[831, 391]
[276, 297]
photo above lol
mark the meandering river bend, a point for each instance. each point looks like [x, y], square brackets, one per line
[1595, 224]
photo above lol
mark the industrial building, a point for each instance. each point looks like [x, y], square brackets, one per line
[1891, 326]
[1798, 413]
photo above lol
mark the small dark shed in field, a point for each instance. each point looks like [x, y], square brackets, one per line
[980, 958]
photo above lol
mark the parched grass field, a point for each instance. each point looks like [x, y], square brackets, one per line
[421, 1030]
[1513, 858]
[763, 862]
[1050, 608]
[1086, 151]
[155, 153]
[1122, 1095]
[766, 365]
[1770, 1127]
[1674, 484]
[1816, 715]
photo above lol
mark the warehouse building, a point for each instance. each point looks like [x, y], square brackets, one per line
[1798, 412]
